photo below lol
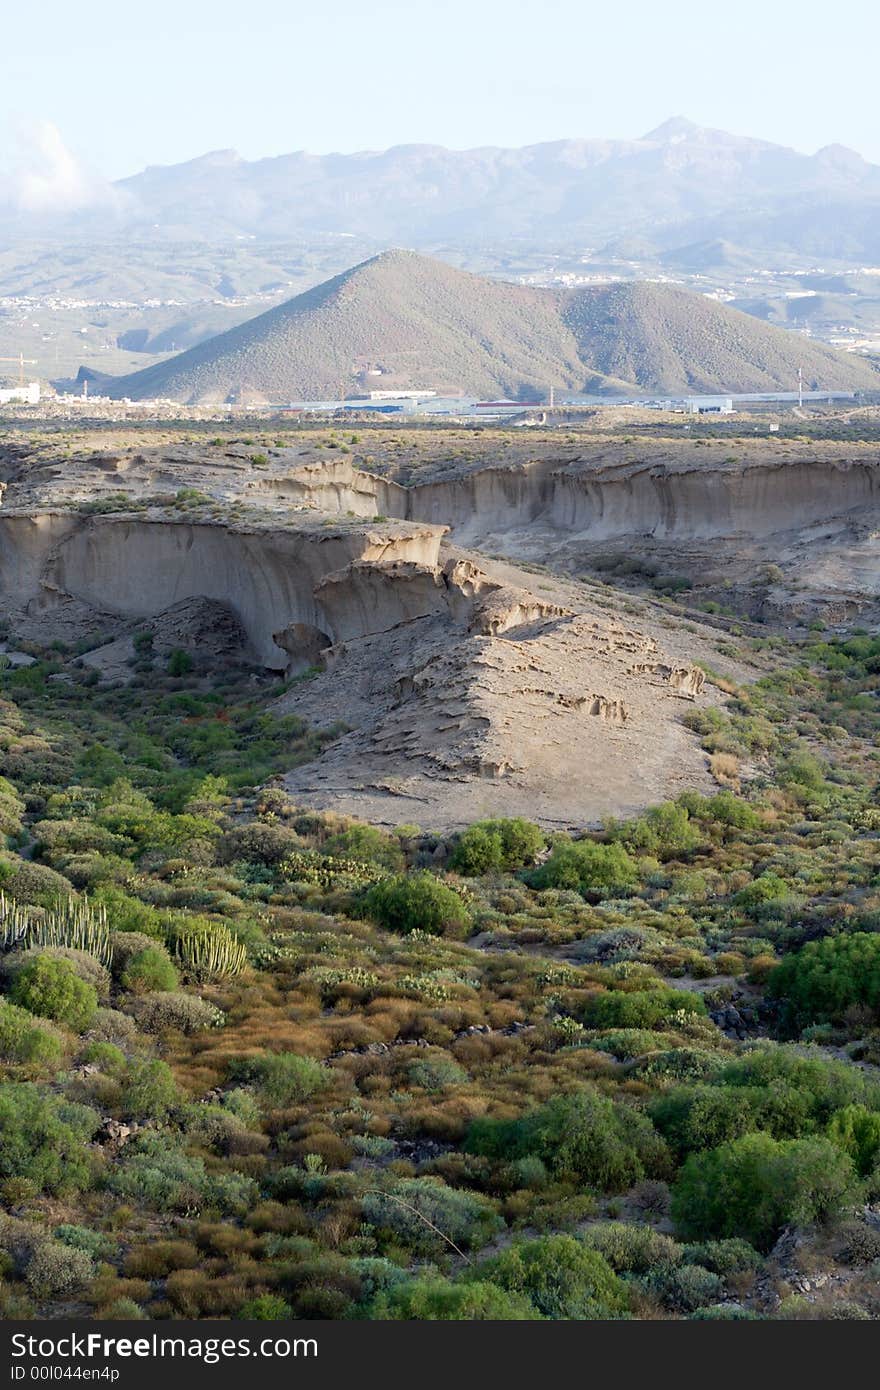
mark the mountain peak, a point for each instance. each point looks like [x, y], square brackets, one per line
[675, 129]
[841, 157]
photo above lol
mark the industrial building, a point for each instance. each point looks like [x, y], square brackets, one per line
[710, 405]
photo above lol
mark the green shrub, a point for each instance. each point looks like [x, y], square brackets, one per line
[165, 1180]
[562, 1277]
[180, 663]
[125, 945]
[496, 846]
[856, 1130]
[756, 1185]
[666, 832]
[605, 1144]
[28, 882]
[186, 1013]
[95, 1243]
[267, 1307]
[767, 888]
[11, 809]
[816, 1086]
[286, 1079]
[437, 1300]
[722, 809]
[587, 867]
[51, 988]
[367, 843]
[642, 1008]
[150, 1090]
[434, 1073]
[23, 1040]
[150, 970]
[685, 1287]
[44, 1138]
[84, 965]
[417, 902]
[465, 1218]
[824, 979]
[702, 1117]
[632, 1249]
[243, 1104]
[123, 1310]
[724, 1257]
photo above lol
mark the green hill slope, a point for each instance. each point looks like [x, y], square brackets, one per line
[404, 321]
[671, 340]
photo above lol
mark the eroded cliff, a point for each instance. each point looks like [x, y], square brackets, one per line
[469, 686]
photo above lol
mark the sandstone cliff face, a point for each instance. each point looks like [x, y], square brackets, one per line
[683, 502]
[135, 568]
[470, 687]
[818, 517]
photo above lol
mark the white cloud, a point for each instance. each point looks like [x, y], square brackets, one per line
[46, 177]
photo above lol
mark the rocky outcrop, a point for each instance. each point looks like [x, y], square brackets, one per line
[208, 629]
[137, 567]
[687, 681]
[552, 719]
[469, 688]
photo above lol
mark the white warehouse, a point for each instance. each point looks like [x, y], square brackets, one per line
[710, 405]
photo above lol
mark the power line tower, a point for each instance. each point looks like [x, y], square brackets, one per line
[800, 386]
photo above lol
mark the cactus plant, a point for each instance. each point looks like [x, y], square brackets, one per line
[72, 923]
[210, 952]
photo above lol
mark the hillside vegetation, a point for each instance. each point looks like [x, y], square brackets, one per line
[423, 324]
[257, 1061]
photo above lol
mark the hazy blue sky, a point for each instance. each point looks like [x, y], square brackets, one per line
[163, 81]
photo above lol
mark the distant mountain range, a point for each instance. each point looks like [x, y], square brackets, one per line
[401, 320]
[679, 186]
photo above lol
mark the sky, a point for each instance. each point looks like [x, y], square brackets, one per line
[98, 91]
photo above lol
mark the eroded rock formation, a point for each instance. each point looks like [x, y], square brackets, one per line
[469, 687]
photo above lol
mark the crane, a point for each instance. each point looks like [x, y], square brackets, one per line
[22, 363]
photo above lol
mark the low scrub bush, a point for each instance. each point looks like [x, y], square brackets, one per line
[57, 1271]
[826, 978]
[756, 1185]
[606, 1144]
[439, 1300]
[418, 902]
[404, 1212]
[652, 1008]
[50, 987]
[561, 1276]
[26, 1041]
[149, 970]
[44, 1139]
[496, 846]
[285, 1079]
[596, 870]
[632, 1249]
[166, 1180]
[185, 1013]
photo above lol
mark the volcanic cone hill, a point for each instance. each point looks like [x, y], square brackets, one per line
[423, 324]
